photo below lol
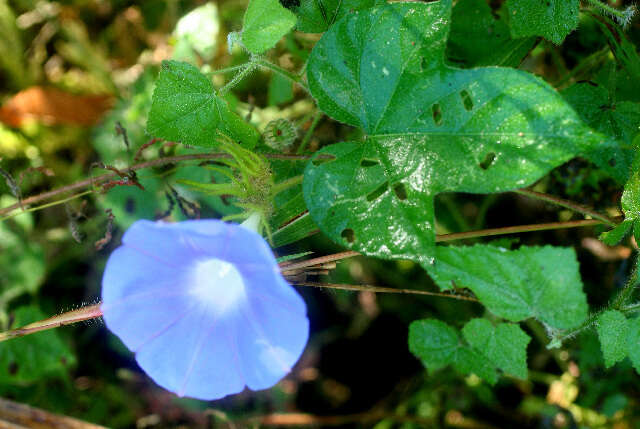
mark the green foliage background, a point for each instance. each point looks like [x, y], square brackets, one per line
[436, 98]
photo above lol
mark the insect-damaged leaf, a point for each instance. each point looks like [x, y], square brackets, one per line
[430, 128]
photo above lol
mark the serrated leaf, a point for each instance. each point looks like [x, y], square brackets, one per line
[504, 344]
[430, 129]
[437, 345]
[470, 361]
[620, 120]
[612, 330]
[479, 39]
[551, 19]
[186, 109]
[433, 342]
[633, 342]
[617, 234]
[539, 282]
[265, 22]
[315, 16]
[28, 359]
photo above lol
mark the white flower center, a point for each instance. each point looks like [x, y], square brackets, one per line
[218, 284]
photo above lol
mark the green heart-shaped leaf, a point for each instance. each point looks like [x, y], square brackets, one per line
[265, 22]
[185, 108]
[430, 128]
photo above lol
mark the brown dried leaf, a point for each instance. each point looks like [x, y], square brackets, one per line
[53, 106]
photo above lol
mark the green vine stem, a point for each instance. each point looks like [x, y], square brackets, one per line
[286, 73]
[567, 204]
[246, 71]
[619, 303]
[86, 183]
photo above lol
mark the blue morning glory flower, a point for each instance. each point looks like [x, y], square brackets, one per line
[204, 307]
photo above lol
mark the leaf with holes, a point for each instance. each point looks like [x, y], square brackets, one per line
[186, 109]
[539, 282]
[479, 39]
[265, 22]
[28, 359]
[430, 128]
[504, 344]
[613, 330]
[551, 19]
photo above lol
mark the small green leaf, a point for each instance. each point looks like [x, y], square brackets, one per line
[28, 359]
[613, 330]
[479, 39]
[430, 129]
[633, 342]
[551, 19]
[620, 120]
[540, 282]
[265, 22]
[505, 344]
[433, 342]
[437, 345]
[471, 361]
[617, 234]
[186, 109]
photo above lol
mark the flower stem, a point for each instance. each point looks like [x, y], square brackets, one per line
[253, 222]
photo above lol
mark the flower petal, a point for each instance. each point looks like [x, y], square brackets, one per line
[204, 306]
[194, 358]
[271, 340]
[136, 283]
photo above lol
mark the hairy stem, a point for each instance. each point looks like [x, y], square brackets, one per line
[623, 17]
[246, 71]
[620, 303]
[85, 183]
[286, 73]
[626, 293]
